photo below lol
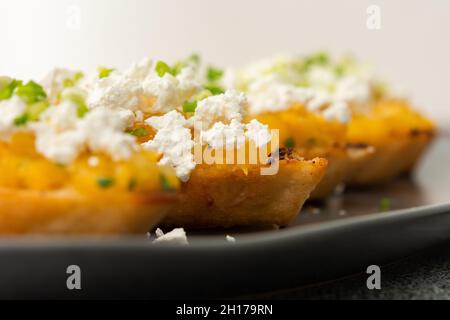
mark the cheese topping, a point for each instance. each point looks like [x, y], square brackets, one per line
[224, 108]
[174, 141]
[176, 236]
[322, 85]
[9, 111]
[224, 135]
[61, 135]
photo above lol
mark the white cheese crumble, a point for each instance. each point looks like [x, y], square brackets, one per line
[258, 133]
[61, 136]
[224, 108]
[338, 111]
[93, 161]
[224, 135]
[174, 141]
[230, 239]
[140, 88]
[9, 110]
[116, 91]
[278, 83]
[234, 134]
[269, 93]
[176, 236]
[53, 82]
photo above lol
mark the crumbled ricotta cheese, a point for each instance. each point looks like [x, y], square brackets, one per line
[258, 133]
[269, 93]
[230, 239]
[338, 111]
[176, 236]
[104, 131]
[9, 110]
[228, 135]
[93, 161]
[174, 141]
[321, 77]
[225, 107]
[319, 99]
[53, 82]
[61, 136]
[352, 89]
[116, 91]
[121, 89]
[170, 92]
[234, 134]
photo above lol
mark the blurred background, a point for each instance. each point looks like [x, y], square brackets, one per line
[410, 46]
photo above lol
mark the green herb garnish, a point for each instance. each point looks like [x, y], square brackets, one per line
[165, 183]
[289, 143]
[385, 204]
[104, 72]
[31, 92]
[105, 182]
[189, 106]
[21, 120]
[213, 74]
[71, 82]
[319, 58]
[139, 132]
[78, 99]
[162, 68]
[7, 87]
[132, 184]
[214, 89]
[35, 110]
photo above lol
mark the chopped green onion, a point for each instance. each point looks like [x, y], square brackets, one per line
[289, 143]
[165, 183]
[319, 58]
[385, 204]
[132, 184]
[35, 110]
[214, 74]
[7, 87]
[78, 99]
[162, 68]
[194, 58]
[31, 92]
[105, 182]
[139, 132]
[104, 72]
[71, 82]
[215, 90]
[21, 120]
[202, 95]
[189, 106]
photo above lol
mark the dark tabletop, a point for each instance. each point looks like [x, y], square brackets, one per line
[425, 275]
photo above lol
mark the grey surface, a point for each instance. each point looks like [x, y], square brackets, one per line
[425, 275]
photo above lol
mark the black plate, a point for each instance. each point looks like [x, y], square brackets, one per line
[346, 236]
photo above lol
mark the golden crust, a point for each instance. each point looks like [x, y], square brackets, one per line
[68, 212]
[399, 136]
[390, 160]
[226, 196]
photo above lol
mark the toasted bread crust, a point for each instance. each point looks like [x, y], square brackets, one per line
[390, 159]
[226, 196]
[68, 212]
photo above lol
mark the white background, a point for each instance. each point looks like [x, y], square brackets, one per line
[412, 49]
